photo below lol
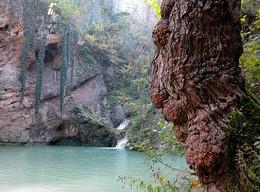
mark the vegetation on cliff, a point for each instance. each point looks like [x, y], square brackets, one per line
[198, 87]
[48, 42]
[36, 17]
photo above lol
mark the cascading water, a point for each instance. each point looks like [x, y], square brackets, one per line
[122, 143]
[123, 125]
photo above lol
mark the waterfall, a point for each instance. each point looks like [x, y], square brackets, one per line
[123, 125]
[121, 143]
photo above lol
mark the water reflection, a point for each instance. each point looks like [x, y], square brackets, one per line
[69, 169]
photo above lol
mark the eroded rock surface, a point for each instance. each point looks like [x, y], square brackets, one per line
[196, 77]
[18, 122]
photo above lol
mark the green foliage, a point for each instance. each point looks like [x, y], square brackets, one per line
[104, 38]
[139, 124]
[25, 54]
[169, 145]
[163, 136]
[137, 74]
[87, 55]
[64, 67]
[129, 56]
[63, 7]
[97, 129]
[250, 19]
[154, 4]
[116, 43]
[29, 40]
[40, 67]
[250, 59]
[249, 7]
[35, 19]
[73, 43]
[133, 93]
[91, 117]
[183, 183]
[132, 88]
[243, 145]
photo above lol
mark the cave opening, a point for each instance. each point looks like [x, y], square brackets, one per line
[70, 141]
[60, 127]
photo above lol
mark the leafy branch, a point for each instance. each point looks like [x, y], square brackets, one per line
[156, 6]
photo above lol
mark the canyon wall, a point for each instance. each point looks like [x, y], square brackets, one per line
[18, 120]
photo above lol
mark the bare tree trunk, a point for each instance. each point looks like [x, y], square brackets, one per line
[196, 78]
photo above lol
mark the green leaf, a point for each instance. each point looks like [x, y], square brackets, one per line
[153, 3]
[257, 76]
[161, 125]
[255, 68]
[141, 184]
[149, 187]
[157, 9]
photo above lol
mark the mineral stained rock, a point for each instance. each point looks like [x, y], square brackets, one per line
[17, 120]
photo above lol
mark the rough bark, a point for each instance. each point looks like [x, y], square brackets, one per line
[196, 78]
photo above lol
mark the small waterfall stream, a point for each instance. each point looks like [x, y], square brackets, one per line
[123, 125]
[121, 143]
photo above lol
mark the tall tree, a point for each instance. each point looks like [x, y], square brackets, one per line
[196, 79]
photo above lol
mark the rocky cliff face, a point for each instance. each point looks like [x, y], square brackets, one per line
[18, 122]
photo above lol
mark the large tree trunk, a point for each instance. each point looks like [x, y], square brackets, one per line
[196, 78]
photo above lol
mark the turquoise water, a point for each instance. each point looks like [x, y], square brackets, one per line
[71, 169]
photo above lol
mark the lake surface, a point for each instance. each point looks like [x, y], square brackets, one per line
[71, 169]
